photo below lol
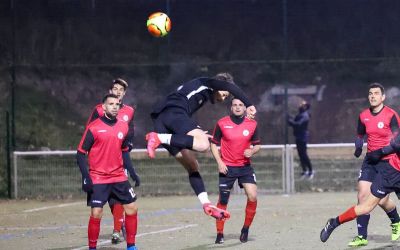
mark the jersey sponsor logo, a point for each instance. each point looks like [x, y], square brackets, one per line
[125, 118]
[120, 135]
[366, 119]
[102, 131]
[227, 126]
[246, 132]
[380, 125]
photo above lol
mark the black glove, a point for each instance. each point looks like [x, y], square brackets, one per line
[358, 143]
[136, 178]
[374, 157]
[357, 152]
[87, 184]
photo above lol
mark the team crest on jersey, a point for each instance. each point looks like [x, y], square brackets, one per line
[380, 125]
[125, 118]
[120, 135]
[246, 132]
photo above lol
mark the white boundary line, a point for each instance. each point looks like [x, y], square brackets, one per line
[106, 242]
[51, 207]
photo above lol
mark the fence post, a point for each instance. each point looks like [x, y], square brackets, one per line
[289, 187]
[8, 152]
[291, 166]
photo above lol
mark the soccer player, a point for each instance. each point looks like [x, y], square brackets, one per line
[300, 132]
[378, 122]
[106, 146]
[181, 135]
[236, 133]
[126, 113]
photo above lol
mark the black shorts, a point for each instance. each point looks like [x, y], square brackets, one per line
[243, 174]
[387, 180]
[122, 192]
[367, 172]
[173, 121]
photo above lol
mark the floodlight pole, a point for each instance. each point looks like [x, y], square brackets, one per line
[289, 171]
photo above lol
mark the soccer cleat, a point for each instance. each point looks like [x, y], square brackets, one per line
[220, 238]
[215, 212]
[304, 175]
[395, 230]
[152, 143]
[311, 175]
[115, 238]
[358, 241]
[327, 230]
[244, 235]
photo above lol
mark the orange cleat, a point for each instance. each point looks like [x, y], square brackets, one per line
[216, 212]
[152, 143]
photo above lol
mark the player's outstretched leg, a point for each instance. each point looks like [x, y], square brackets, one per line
[215, 212]
[152, 143]
[220, 238]
[331, 224]
[244, 235]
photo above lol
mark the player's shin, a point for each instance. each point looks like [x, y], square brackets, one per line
[131, 223]
[250, 212]
[118, 215]
[93, 231]
[220, 223]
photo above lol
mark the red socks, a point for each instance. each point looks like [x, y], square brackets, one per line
[220, 223]
[349, 215]
[250, 212]
[131, 222]
[117, 211]
[93, 231]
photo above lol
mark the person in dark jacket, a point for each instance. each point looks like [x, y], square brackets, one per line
[300, 132]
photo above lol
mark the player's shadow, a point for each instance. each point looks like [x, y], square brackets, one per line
[231, 241]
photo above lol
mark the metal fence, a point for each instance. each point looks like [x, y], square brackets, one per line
[54, 174]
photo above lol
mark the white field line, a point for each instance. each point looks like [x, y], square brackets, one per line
[106, 242]
[51, 207]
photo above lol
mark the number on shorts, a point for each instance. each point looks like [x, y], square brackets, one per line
[132, 192]
[254, 177]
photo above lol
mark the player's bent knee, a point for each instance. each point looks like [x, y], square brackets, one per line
[130, 208]
[252, 198]
[202, 146]
[97, 212]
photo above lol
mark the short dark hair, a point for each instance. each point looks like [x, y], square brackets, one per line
[224, 76]
[119, 81]
[109, 96]
[377, 85]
